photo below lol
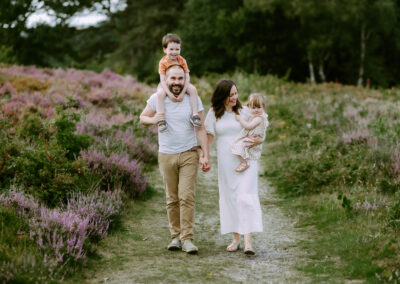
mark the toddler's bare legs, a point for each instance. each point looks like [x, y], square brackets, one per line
[161, 94]
[195, 118]
[244, 165]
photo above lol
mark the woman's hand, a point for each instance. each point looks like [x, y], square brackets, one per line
[252, 141]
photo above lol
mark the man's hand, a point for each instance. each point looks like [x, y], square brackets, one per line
[252, 141]
[204, 163]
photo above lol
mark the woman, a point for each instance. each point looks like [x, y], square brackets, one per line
[240, 212]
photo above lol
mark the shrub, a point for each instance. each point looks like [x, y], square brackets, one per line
[47, 174]
[66, 137]
[116, 171]
[65, 234]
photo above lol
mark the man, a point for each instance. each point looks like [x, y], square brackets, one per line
[178, 158]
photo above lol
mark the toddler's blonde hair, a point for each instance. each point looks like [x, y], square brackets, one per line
[256, 100]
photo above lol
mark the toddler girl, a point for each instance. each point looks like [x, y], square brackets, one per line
[256, 125]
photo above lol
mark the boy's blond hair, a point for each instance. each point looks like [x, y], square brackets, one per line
[170, 38]
[256, 100]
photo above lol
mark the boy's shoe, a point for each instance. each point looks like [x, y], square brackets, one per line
[175, 244]
[195, 120]
[189, 247]
[162, 126]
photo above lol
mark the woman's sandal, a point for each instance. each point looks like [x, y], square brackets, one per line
[249, 251]
[234, 246]
[242, 167]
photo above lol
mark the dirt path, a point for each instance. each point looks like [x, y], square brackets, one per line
[138, 254]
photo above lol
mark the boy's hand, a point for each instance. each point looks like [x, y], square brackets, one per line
[237, 117]
[174, 99]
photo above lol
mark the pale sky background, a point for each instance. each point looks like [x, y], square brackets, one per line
[84, 19]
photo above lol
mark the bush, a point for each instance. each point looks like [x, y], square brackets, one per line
[66, 137]
[65, 234]
[116, 171]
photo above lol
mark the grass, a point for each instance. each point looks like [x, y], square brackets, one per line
[20, 257]
[347, 245]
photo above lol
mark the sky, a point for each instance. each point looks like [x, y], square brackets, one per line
[83, 19]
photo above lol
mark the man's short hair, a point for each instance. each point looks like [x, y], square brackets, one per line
[173, 66]
[170, 38]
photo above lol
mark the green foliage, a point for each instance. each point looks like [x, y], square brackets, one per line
[31, 127]
[7, 55]
[394, 213]
[346, 203]
[268, 37]
[66, 137]
[41, 156]
[47, 173]
[341, 247]
[20, 258]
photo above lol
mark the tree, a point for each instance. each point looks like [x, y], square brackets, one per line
[372, 19]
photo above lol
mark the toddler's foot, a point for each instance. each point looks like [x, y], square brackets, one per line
[162, 126]
[195, 120]
[242, 167]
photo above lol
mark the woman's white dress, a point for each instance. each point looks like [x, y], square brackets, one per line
[239, 205]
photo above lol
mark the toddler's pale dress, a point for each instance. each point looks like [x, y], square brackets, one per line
[254, 153]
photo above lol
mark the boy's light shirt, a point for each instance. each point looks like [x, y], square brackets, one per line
[180, 135]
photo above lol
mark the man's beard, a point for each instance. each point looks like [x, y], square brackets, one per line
[174, 90]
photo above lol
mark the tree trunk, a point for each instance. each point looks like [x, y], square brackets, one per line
[311, 68]
[362, 57]
[321, 72]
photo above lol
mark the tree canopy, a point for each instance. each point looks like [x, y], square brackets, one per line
[352, 42]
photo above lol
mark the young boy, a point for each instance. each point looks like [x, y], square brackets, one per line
[172, 47]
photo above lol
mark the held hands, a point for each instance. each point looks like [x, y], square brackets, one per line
[204, 163]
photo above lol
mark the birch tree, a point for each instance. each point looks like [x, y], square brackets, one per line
[369, 18]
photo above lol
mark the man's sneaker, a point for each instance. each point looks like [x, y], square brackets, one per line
[175, 244]
[162, 126]
[189, 247]
[195, 120]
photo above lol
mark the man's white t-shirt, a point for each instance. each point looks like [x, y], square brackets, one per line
[180, 135]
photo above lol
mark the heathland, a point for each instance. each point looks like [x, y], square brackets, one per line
[82, 197]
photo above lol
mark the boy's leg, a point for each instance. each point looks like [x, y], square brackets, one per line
[192, 91]
[195, 118]
[160, 100]
[162, 125]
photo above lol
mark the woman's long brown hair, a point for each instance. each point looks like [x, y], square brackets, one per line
[221, 92]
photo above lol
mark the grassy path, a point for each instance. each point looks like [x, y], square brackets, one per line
[137, 252]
